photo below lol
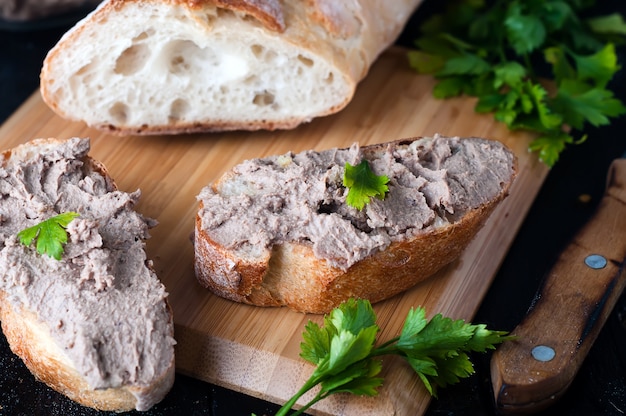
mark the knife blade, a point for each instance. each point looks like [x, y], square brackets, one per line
[531, 372]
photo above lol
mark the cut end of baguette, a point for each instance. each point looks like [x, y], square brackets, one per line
[148, 67]
[95, 325]
[296, 268]
[170, 67]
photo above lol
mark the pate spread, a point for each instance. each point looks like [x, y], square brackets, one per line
[104, 305]
[300, 197]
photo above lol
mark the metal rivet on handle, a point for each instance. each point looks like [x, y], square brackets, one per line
[543, 353]
[595, 261]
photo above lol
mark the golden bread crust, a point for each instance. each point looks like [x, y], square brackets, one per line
[30, 340]
[293, 276]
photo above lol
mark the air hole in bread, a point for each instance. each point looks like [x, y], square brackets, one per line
[83, 70]
[330, 78]
[143, 35]
[178, 64]
[306, 61]
[223, 13]
[119, 112]
[270, 56]
[257, 50]
[251, 80]
[179, 53]
[263, 99]
[250, 19]
[178, 109]
[263, 54]
[132, 59]
[209, 18]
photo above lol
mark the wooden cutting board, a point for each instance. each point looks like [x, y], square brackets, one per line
[255, 350]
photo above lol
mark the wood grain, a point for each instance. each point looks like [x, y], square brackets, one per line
[255, 350]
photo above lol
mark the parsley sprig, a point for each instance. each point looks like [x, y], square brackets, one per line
[345, 352]
[363, 184]
[50, 234]
[499, 51]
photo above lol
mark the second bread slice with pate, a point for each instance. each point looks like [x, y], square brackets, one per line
[95, 324]
[278, 232]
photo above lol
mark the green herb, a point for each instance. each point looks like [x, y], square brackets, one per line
[495, 52]
[50, 234]
[345, 352]
[363, 184]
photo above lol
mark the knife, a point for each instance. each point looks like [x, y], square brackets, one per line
[532, 371]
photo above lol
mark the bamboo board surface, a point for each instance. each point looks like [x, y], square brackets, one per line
[255, 350]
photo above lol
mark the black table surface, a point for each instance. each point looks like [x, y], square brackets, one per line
[558, 211]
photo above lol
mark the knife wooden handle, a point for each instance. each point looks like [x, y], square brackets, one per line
[531, 372]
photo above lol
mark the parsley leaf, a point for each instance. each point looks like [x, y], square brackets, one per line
[497, 51]
[525, 32]
[580, 104]
[611, 24]
[467, 64]
[363, 184]
[346, 354]
[50, 235]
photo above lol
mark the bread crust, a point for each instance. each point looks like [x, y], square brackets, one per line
[30, 338]
[291, 275]
[349, 36]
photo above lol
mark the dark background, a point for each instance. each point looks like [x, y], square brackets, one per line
[556, 214]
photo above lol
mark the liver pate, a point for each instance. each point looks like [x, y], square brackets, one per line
[300, 197]
[103, 303]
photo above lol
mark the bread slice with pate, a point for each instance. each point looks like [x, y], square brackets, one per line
[94, 325]
[174, 66]
[277, 231]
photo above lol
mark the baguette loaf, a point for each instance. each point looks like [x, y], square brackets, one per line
[277, 231]
[179, 66]
[96, 324]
